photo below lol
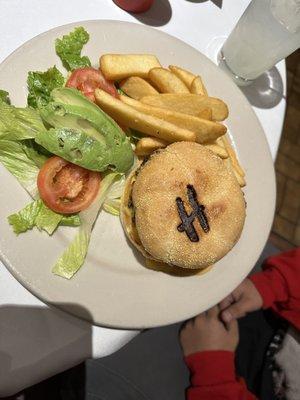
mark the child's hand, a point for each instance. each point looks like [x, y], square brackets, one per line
[206, 332]
[243, 299]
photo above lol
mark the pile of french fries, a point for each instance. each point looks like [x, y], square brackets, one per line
[166, 105]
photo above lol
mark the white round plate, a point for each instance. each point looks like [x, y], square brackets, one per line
[113, 288]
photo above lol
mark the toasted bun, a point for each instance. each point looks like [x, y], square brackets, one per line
[154, 216]
[127, 215]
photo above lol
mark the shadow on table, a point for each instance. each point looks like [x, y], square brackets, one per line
[266, 91]
[158, 15]
[26, 333]
[218, 3]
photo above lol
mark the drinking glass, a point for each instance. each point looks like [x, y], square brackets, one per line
[267, 32]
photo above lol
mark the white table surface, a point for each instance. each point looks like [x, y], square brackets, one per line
[37, 341]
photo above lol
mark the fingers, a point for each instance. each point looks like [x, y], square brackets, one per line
[233, 326]
[226, 302]
[188, 324]
[213, 312]
[236, 310]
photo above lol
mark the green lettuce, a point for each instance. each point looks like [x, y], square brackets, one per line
[112, 206]
[25, 219]
[112, 202]
[47, 220]
[40, 85]
[35, 152]
[19, 123]
[4, 96]
[73, 257]
[69, 49]
[37, 214]
[70, 220]
[17, 162]
[120, 91]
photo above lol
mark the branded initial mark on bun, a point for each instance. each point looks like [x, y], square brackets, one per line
[187, 220]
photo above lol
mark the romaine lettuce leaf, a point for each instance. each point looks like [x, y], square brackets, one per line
[19, 123]
[69, 47]
[47, 220]
[73, 257]
[112, 202]
[25, 219]
[4, 96]
[35, 152]
[120, 91]
[38, 214]
[70, 220]
[17, 162]
[112, 206]
[40, 85]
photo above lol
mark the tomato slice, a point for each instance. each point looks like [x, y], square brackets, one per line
[67, 188]
[88, 79]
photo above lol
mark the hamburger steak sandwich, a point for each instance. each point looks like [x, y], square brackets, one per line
[183, 207]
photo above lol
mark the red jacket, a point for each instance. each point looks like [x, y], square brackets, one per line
[213, 372]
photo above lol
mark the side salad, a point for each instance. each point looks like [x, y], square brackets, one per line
[68, 154]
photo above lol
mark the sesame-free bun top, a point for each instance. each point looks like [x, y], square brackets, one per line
[164, 194]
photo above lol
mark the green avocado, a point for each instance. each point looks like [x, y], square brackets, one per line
[86, 131]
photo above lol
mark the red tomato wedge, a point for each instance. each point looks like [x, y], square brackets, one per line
[67, 188]
[88, 79]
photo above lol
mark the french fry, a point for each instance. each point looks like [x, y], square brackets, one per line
[137, 87]
[147, 145]
[152, 126]
[188, 104]
[120, 66]
[218, 150]
[239, 178]
[197, 87]
[220, 142]
[186, 76]
[166, 82]
[205, 130]
[205, 114]
[233, 157]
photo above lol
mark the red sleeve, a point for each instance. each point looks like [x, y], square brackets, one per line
[213, 377]
[279, 285]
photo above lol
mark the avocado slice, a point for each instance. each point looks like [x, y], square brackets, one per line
[98, 139]
[75, 146]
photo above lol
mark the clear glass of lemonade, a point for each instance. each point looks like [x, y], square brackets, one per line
[267, 32]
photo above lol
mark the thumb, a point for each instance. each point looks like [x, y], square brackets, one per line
[236, 310]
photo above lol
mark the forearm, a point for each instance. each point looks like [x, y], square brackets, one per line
[279, 285]
[213, 376]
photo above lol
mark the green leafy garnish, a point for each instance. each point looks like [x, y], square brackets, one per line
[73, 257]
[35, 152]
[120, 91]
[112, 206]
[4, 96]
[112, 201]
[38, 214]
[17, 162]
[47, 220]
[69, 49]
[70, 220]
[40, 85]
[19, 123]
[25, 219]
